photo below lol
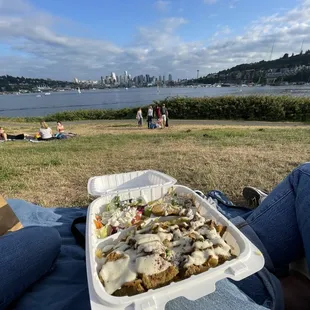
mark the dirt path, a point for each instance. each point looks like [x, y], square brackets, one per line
[176, 122]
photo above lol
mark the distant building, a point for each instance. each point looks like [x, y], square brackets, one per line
[170, 77]
[125, 76]
[159, 78]
[164, 79]
[140, 79]
[113, 77]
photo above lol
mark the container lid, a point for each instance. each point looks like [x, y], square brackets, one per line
[122, 182]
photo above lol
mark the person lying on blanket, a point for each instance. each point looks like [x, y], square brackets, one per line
[5, 136]
[279, 226]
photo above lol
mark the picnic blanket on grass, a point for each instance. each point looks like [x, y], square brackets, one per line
[66, 288]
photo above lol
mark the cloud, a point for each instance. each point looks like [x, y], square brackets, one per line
[40, 48]
[233, 4]
[162, 5]
[223, 30]
[210, 1]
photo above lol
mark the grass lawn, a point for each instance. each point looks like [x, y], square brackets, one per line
[199, 156]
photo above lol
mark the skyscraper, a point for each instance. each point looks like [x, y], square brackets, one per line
[164, 79]
[170, 77]
[159, 78]
[113, 76]
[125, 76]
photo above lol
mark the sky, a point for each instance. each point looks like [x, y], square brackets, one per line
[63, 39]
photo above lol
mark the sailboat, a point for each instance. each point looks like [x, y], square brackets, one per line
[79, 90]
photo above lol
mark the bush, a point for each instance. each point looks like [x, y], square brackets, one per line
[259, 108]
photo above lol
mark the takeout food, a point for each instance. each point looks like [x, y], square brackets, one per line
[156, 251]
[120, 215]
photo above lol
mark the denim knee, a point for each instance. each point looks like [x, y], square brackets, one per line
[305, 167]
[42, 236]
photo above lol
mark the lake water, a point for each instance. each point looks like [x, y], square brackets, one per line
[30, 105]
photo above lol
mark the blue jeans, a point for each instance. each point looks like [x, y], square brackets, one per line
[26, 255]
[282, 221]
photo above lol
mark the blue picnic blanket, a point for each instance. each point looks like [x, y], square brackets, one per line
[66, 287]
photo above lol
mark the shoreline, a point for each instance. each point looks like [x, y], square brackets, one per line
[265, 108]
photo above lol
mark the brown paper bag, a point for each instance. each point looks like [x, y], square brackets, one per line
[8, 219]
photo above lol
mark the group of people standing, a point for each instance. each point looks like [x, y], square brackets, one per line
[160, 114]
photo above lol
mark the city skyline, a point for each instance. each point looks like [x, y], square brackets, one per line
[126, 79]
[61, 40]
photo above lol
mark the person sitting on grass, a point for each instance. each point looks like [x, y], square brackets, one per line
[60, 127]
[45, 132]
[159, 123]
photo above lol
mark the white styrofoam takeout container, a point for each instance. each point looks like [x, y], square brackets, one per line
[122, 182]
[249, 260]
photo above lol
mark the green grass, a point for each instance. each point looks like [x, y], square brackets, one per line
[201, 157]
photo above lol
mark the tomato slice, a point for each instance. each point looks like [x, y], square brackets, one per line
[137, 218]
[98, 224]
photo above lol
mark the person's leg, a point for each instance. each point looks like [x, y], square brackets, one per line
[26, 255]
[226, 297]
[16, 137]
[282, 221]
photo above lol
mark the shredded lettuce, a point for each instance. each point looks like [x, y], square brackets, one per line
[147, 211]
[168, 252]
[114, 204]
[102, 232]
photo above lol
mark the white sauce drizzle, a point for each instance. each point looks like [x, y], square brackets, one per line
[151, 264]
[116, 273]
